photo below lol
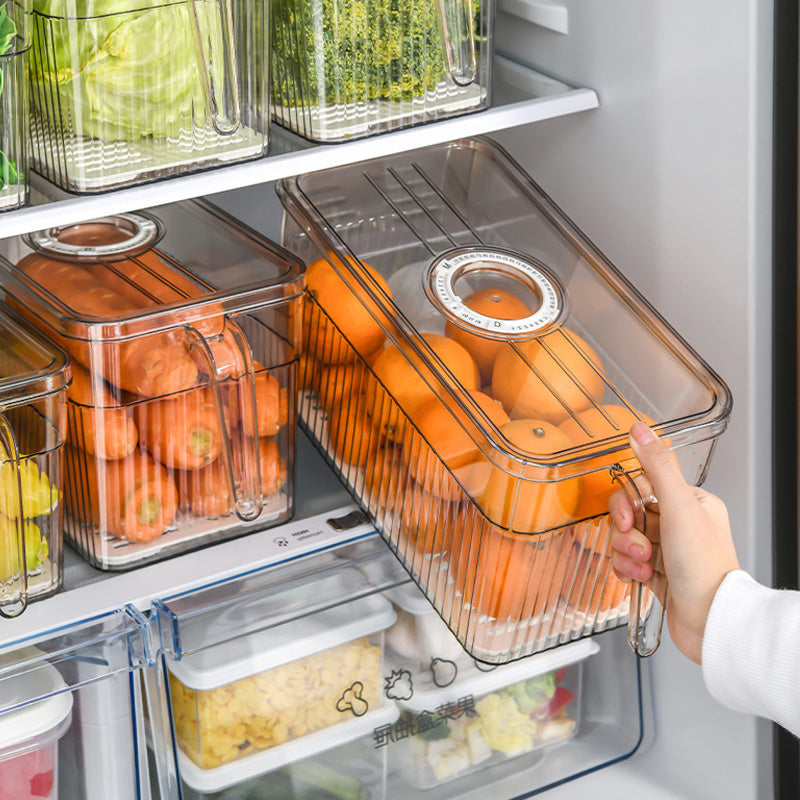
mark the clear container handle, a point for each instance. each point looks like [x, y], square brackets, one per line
[647, 603]
[458, 40]
[223, 100]
[14, 592]
[247, 503]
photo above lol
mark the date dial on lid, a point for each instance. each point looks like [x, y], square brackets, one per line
[535, 301]
[105, 239]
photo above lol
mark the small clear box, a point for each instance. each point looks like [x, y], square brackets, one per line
[34, 375]
[471, 368]
[342, 70]
[128, 92]
[181, 416]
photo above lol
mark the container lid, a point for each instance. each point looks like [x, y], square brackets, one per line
[23, 715]
[265, 649]
[30, 366]
[219, 778]
[477, 681]
[410, 599]
[184, 263]
[473, 250]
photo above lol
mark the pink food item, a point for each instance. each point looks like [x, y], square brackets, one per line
[28, 776]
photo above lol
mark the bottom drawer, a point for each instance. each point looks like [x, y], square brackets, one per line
[71, 725]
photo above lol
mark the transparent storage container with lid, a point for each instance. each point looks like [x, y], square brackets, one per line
[71, 725]
[182, 331]
[126, 92]
[343, 69]
[493, 362]
[14, 119]
[34, 374]
[267, 670]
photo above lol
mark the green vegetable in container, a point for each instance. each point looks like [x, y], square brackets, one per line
[8, 31]
[124, 69]
[330, 52]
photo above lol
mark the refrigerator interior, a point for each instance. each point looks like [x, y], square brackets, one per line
[671, 178]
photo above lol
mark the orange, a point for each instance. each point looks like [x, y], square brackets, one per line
[591, 427]
[491, 302]
[346, 325]
[514, 577]
[594, 587]
[385, 479]
[353, 435]
[548, 376]
[397, 388]
[439, 445]
[541, 498]
[340, 384]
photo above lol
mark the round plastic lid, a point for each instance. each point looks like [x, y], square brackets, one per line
[36, 719]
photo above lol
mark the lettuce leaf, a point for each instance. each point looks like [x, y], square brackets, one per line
[123, 69]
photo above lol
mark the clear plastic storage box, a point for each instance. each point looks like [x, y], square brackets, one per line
[71, 725]
[471, 367]
[272, 669]
[462, 716]
[343, 69]
[126, 92]
[34, 375]
[181, 413]
[14, 125]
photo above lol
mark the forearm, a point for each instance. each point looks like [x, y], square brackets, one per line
[751, 650]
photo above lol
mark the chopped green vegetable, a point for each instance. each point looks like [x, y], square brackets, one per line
[124, 69]
[346, 51]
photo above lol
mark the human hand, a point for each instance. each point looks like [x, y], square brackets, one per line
[692, 527]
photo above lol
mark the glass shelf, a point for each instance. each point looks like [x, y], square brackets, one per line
[521, 95]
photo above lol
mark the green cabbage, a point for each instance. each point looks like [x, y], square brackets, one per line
[120, 69]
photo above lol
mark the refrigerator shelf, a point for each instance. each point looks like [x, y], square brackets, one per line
[521, 95]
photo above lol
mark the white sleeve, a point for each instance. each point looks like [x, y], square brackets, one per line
[751, 650]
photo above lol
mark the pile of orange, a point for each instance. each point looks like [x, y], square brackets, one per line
[453, 472]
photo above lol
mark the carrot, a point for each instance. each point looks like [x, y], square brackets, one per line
[229, 360]
[149, 365]
[207, 490]
[96, 421]
[150, 279]
[133, 498]
[182, 431]
[272, 404]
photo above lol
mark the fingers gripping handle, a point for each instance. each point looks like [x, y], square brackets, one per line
[647, 603]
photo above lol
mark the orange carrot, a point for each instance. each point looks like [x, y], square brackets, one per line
[132, 498]
[228, 358]
[207, 490]
[182, 431]
[272, 404]
[149, 365]
[96, 421]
